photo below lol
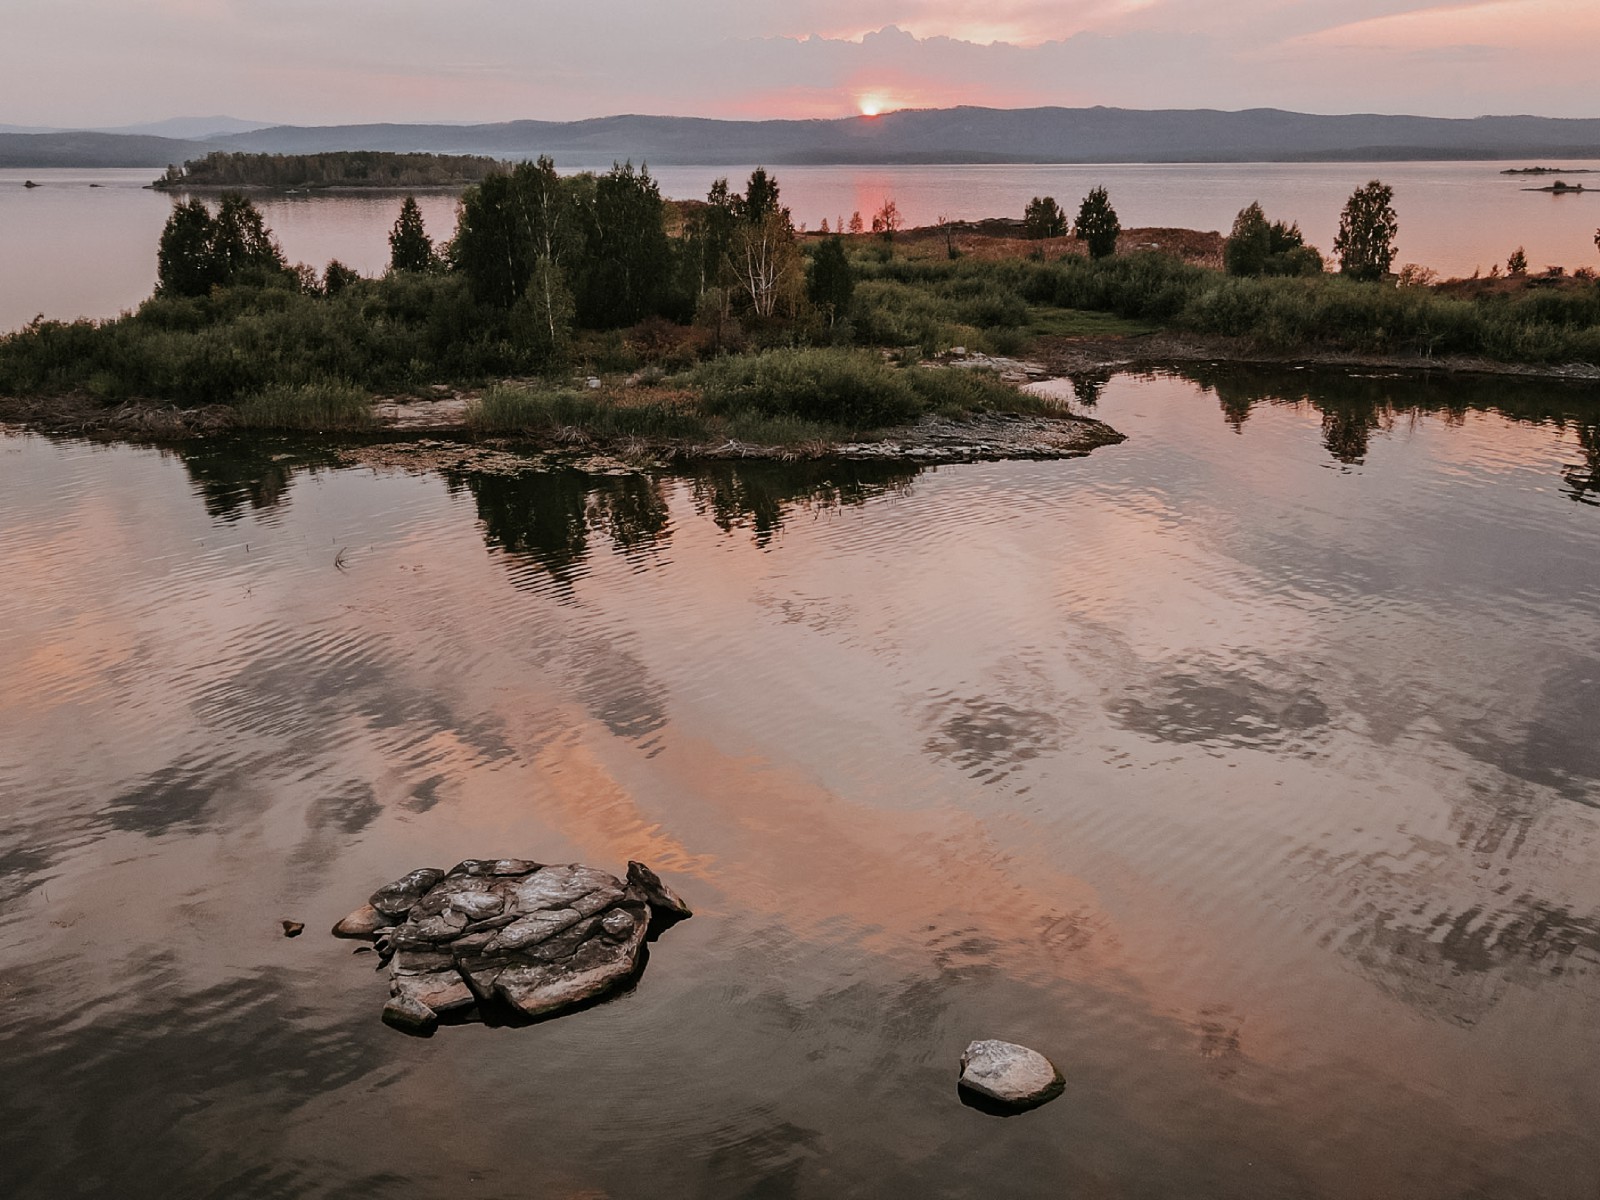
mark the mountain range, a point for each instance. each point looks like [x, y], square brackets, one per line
[949, 135]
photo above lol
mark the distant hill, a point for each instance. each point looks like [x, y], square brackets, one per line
[973, 135]
[80, 149]
[190, 128]
[953, 135]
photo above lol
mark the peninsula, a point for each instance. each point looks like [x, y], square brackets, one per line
[585, 311]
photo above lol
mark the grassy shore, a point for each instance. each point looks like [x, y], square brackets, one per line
[283, 353]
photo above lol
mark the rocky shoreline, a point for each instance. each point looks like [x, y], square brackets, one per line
[431, 433]
[431, 429]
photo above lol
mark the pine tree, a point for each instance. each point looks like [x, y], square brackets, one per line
[241, 244]
[1043, 218]
[831, 281]
[1097, 224]
[184, 264]
[410, 247]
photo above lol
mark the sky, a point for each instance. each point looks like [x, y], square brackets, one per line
[113, 62]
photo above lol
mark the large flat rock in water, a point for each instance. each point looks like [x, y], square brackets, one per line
[509, 933]
[1004, 1077]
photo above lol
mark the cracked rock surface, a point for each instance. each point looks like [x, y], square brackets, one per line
[510, 933]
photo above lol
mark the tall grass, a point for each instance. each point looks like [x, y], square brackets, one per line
[853, 389]
[520, 408]
[323, 405]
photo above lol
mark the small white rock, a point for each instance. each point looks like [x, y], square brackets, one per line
[1009, 1075]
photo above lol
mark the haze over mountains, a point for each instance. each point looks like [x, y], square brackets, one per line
[951, 135]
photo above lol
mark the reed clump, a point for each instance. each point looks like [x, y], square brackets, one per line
[532, 408]
[322, 405]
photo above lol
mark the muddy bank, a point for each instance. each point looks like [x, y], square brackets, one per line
[431, 433]
[933, 440]
[1067, 356]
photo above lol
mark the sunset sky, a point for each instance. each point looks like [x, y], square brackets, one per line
[109, 62]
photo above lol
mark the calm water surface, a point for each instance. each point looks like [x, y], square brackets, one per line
[1249, 769]
[68, 249]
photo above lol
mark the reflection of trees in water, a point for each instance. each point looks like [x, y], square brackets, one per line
[1583, 479]
[1346, 431]
[538, 515]
[1235, 408]
[763, 495]
[631, 510]
[1088, 386]
[231, 474]
[552, 517]
[1354, 406]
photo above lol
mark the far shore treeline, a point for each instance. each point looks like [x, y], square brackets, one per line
[719, 318]
[340, 168]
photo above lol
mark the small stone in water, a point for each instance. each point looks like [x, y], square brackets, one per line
[292, 928]
[410, 1015]
[363, 923]
[1008, 1077]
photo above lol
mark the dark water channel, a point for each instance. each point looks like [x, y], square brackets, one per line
[1250, 769]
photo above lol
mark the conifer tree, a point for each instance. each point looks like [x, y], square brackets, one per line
[1043, 218]
[1097, 224]
[183, 261]
[831, 282]
[410, 247]
[241, 243]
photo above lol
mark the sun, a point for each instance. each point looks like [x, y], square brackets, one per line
[872, 104]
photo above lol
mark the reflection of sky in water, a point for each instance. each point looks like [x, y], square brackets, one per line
[1251, 777]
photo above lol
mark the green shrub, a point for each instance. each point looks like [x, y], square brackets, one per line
[849, 388]
[954, 391]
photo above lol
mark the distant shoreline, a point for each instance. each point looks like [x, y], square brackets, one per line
[961, 135]
[258, 189]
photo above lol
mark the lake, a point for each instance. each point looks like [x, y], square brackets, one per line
[1248, 768]
[70, 249]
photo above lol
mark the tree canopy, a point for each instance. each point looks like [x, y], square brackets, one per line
[831, 282]
[1256, 247]
[1367, 229]
[629, 263]
[1043, 218]
[199, 251]
[410, 247]
[1097, 225]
